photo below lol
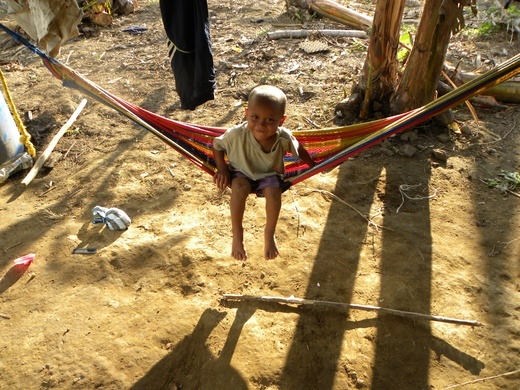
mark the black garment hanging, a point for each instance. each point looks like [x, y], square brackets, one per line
[187, 26]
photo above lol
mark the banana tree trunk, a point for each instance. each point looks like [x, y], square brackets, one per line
[422, 72]
[380, 75]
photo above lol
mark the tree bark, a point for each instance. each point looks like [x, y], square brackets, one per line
[422, 72]
[380, 72]
[379, 87]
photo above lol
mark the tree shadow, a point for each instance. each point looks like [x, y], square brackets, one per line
[413, 336]
[404, 268]
[191, 365]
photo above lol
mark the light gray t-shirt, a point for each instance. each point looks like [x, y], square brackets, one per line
[245, 154]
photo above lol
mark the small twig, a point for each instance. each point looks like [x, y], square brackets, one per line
[68, 57]
[492, 253]
[468, 104]
[406, 187]
[510, 242]
[69, 149]
[114, 80]
[310, 122]
[370, 222]
[482, 379]
[513, 193]
[512, 127]
[74, 193]
[31, 277]
[11, 247]
[5, 316]
[298, 217]
[48, 190]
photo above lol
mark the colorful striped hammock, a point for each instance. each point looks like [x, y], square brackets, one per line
[329, 147]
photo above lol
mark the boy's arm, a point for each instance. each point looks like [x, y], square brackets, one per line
[222, 177]
[305, 156]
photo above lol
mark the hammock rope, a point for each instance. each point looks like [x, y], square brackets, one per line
[329, 147]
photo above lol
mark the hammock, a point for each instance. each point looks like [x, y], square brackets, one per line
[329, 147]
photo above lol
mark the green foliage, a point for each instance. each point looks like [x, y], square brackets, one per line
[358, 47]
[406, 41]
[507, 181]
[496, 21]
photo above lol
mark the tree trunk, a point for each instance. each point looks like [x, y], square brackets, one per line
[379, 78]
[418, 84]
[379, 84]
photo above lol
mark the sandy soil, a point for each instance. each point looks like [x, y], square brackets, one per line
[145, 311]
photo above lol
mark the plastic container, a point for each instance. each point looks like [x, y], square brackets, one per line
[10, 145]
[17, 163]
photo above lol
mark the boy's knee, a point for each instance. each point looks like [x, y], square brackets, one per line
[241, 185]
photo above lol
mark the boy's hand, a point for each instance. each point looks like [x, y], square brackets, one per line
[222, 179]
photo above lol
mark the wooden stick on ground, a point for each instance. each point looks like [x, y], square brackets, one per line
[311, 302]
[483, 379]
[46, 153]
[282, 34]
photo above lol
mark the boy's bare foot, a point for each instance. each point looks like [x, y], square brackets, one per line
[270, 248]
[238, 251]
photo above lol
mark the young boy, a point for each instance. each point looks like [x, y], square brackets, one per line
[255, 151]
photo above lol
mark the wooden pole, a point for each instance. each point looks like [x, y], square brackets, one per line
[46, 153]
[311, 302]
[339, 13]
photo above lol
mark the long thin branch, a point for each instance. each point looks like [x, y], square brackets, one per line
[340, 305]
[482, 379]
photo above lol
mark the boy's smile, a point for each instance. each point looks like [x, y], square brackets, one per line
[263, 120]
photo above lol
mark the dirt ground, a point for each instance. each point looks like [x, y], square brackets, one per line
[145, 311]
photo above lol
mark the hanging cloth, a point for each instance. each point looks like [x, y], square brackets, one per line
[187, 27]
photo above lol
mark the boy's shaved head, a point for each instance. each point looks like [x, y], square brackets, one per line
[269, 94]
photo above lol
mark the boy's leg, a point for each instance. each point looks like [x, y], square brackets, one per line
[240, 189]
[273, 204]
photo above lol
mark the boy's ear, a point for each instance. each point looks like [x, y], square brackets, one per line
[282, 120]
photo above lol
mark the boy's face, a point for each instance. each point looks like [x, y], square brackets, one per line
[263, 118]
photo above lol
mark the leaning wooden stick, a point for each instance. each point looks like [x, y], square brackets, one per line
[311, 302]
[46, 153]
